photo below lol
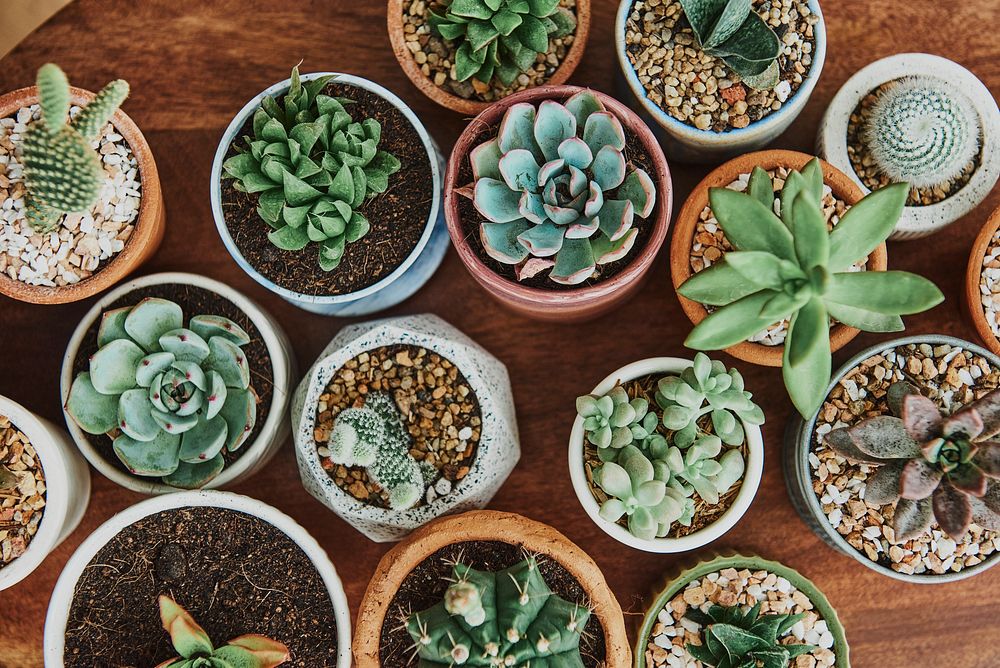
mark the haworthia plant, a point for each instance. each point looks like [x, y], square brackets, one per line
[172, 396]
[791, 267]
[731, 637]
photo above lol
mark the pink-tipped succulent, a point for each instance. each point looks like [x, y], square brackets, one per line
[196, 649]
[556, 190]
[933, 467]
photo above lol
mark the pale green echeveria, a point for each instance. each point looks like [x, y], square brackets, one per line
[556, 191]
[172, 396]
[650, 504]
[613, 421]
[702, 467]
[793, 268]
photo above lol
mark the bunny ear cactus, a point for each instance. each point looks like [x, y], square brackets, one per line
[312, 166]
[171, 396]
[933, 467]
[63, 172]
[196, 650]
[733, 638]
[556, 190]
[791, 267]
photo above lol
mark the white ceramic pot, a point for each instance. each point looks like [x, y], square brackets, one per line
[67, 489]
[274, 431]
[497, 452]
[661, 366]
[407, 278]
[917, 221]
[62, 596]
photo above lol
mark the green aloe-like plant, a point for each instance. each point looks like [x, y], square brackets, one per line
[171, 396]
[734, 638]
[792, 267]
[499, 38]
[556, 190]
[313, 166]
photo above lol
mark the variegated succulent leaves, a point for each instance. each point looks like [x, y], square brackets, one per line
[499, 38]
[556, 190]
[503, 619]
[933, 467]
[732, 637]
[313, 167]
[171, 396]
[196, 650]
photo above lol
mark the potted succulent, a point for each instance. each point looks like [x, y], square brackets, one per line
[467, 54]
[557, 200]
[741, 611]
[309, 196]
[760, 243]
[982, 283]
[44, 490]
[402, 420]
[922, 120]
[447, 579]
[713, 77]
[79, 191]
[898, 468]
[666, 454]
[241, 568]
[177, 381]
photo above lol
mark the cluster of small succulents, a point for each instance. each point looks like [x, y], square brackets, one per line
[556, 191]
[509, 618]
[312, 166]
[735, 638]
[651, 474]
[171, 396]
[789, 266]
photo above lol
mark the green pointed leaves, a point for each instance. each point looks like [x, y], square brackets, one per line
[866, 225]
[749, 225]
[806, 363]
[731, 324]
[890, 293]
[731, 30]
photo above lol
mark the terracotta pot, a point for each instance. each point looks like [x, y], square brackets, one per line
[973, 296]
[149, 226]
[486, 525]
[680, 250]
[473, 107]
[569, 305]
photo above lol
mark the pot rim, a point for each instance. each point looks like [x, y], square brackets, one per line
[973, 272]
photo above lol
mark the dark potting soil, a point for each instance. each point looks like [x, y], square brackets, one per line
[193, 301]
[235, 574]
[398, 216]
[425, 586]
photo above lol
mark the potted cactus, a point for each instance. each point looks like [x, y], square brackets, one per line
[285, 605]
[402, 420]
[713, 77]
[176, 381]
[80, 191]
[309, 196]
[488, 588]
[905, 480]
[666, 454]
[918, 119]
[557, 200]
[782, 278]
[466, 54]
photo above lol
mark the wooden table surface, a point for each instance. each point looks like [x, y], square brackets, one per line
[192, 65]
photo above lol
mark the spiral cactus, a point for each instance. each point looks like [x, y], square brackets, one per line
[923, 132]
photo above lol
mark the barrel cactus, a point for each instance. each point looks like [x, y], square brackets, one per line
[731, 637]
[509, 618]
[63, 173]
[172, 397]
[556, 190]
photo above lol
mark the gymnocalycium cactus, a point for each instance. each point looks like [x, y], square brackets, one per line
[509, 618]
[374, 436]
[733, 31]
[556, 190]
[732, 638]
[499, 38]
[63, 173]
[313, 167]
[196, 650]
[172, 397]
[793, 268]
[932, 467]
[922, 131]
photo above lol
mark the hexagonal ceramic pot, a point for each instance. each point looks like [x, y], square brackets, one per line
[498, 449]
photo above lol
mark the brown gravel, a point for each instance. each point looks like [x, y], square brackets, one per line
[22, 492]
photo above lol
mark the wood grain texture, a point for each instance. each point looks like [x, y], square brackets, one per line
[192, 65]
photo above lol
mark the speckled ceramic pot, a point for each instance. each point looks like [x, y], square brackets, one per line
[497, 452]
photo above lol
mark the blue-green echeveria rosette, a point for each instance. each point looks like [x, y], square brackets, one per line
[171, 396]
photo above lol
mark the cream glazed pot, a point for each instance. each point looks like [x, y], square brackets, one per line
[497, 452]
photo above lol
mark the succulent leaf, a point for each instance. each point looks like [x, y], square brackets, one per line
[150, 319]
